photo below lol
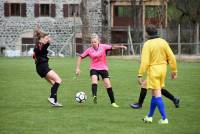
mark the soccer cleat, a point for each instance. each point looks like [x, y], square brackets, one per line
[136, 106]
[147, 119]
[115, 105]
[176, 102]
[51, 100]
[57, 104]
[161, 121]
[53, 103]
[95, 99]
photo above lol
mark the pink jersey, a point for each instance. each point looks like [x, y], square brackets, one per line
[97, 56]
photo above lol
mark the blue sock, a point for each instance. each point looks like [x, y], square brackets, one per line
[161, 107]
[152, 107]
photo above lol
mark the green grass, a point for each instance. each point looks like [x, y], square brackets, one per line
[24, 108]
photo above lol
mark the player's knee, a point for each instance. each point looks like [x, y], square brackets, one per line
[94, 81]
[107, 85]
[59, 80]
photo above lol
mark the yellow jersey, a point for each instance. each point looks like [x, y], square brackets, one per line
[156, 52]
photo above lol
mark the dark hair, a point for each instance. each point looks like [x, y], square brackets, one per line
[38, 34]
[151, 30]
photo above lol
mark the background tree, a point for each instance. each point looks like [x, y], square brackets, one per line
[85, 22]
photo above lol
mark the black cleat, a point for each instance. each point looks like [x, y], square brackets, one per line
[176, 102]
[136, 106]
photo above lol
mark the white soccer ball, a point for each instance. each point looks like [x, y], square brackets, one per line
[80, 97]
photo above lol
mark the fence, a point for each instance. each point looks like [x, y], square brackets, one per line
[182, 39]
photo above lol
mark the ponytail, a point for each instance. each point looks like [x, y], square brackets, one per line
[38, 34]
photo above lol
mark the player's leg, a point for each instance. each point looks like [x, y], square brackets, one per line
[94, 79]
[54, 78]
[170, 96]
[166, 93]
[153, 104]
[142, 96]
[160, 105]
[107, 84]
[158, 94]
[50, 81]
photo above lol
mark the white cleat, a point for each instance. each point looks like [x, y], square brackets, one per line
[161, 121]
[51, 100]
[57, 105]
[53, 103]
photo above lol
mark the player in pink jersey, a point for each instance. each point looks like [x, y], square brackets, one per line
[98, 66]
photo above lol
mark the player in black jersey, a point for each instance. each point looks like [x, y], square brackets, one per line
[42, 66]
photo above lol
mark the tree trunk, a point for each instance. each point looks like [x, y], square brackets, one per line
[85, 22]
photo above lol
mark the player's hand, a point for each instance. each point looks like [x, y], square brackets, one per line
[173, 75]
[50, 40]
[78, 71]
[140, 81]
[124, 47]
[144, 84]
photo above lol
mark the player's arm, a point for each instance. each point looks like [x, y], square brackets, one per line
[172, 62]
[78, 62]
[78, 65]
[119, 47]
[144, 62]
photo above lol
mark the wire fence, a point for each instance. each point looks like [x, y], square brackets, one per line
[183, 40]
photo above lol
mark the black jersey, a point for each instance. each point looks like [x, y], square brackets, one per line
[40, 53]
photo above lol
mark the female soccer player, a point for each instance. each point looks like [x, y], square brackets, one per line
[42, 66]
[98, 66]
[156, 54]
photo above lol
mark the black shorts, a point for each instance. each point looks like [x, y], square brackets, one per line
[43, 69]
[104, 73]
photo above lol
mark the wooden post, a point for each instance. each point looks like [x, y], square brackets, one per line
[130, 40]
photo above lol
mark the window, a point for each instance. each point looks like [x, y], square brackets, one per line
[122, 15]
[15, 9]
[45, 10]
[151, 12]
[70, 9]
[2, 51]
[155, 15]
[122, 11]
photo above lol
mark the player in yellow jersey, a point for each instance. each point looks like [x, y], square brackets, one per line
[156, 54]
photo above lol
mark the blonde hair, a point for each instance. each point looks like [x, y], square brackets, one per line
[39, 34]
[94, 35]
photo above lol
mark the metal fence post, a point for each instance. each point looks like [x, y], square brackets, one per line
[197, 40]
[179, 42]
[74, 38]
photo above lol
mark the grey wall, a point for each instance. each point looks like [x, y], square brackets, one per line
[12, 29]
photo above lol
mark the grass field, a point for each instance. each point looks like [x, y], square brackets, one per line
[24, 108]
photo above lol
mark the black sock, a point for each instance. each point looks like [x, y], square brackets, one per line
[167, 94]
[111, 95]
[54, 90]
[94, 89]
[143, 94]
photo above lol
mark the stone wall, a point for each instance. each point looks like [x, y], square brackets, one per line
[12, 29]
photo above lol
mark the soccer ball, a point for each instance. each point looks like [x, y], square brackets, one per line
[80, 97]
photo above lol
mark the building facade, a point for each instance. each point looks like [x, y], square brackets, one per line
[69, 21]
[18, 18]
